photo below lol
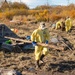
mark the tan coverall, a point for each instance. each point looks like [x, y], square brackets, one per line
[58, 25]
[40, 36]
[68, 24]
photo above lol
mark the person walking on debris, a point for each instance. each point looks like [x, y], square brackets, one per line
[68, 24]
[40, 35]
[58, 25]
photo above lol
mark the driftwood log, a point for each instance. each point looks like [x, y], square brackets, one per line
[50, 45]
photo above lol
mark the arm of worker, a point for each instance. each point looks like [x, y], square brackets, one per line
[56, 26]
[47, 36]
[33, 37]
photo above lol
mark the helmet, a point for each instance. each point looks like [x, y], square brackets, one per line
[42, 26]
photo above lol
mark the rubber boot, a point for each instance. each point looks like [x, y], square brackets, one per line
[37, 64]
[42, 58]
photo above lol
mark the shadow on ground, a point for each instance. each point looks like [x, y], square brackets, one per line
[64, 66]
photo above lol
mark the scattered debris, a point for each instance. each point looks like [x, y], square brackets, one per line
[9, 72]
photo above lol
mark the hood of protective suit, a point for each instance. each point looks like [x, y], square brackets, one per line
[42, 26]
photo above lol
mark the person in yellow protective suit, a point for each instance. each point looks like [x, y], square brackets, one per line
[68, 24]
[58, 25]
[40, 35]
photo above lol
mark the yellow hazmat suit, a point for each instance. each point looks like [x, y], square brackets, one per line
[68, 24]
[40, 36]
[58, 25]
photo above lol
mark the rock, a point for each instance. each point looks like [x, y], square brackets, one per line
[9, 72]
[54, 40]
[31, 69]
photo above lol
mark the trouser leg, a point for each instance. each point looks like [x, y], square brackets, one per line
[44, 53]
[67, 28]
[38, 50]
[41, 58]
[37, 64]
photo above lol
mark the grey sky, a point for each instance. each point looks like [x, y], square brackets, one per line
[34, 3]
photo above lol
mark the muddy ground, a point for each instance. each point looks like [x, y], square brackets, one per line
[56, 62]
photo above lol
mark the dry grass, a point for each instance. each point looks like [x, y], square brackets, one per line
[50, 14]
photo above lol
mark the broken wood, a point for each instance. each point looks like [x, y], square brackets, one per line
[62, 40]
[50, 45]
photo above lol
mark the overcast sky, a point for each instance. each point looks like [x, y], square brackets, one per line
[34, 3]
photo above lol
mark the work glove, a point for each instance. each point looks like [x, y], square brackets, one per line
[46, 42]
[34, 43]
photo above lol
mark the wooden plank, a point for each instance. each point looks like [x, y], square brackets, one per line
[50, 45]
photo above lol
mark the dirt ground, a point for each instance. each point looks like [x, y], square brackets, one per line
[56, 62]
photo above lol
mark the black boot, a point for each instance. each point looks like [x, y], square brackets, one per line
[37, 64]
[42, 58]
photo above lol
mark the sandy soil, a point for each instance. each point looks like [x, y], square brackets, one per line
[56, 62]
